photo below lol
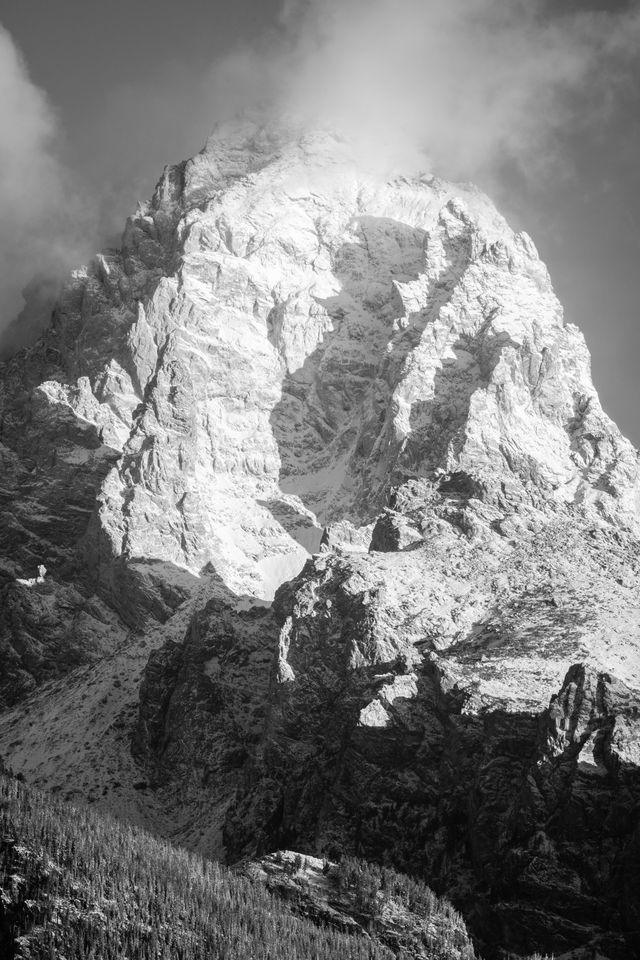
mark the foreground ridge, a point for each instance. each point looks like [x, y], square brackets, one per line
[78, 885]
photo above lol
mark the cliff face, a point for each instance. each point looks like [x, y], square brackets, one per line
[376, 742]
[291, 355]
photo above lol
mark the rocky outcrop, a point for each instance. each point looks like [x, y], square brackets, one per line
[202, 706]
[46, 630]
[353, 896]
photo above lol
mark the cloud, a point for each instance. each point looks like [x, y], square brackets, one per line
[43, 223]
[466, 88]
[469, 84]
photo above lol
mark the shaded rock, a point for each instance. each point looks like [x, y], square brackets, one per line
[392, 532]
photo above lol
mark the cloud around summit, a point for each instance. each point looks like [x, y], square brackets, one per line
[468, 84]
[43, 221]
[463, 87]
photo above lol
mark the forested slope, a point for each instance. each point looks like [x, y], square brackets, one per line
[78, 886]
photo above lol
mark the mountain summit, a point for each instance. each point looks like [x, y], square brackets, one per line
[300, 378]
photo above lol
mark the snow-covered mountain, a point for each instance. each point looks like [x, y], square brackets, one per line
[290, 356]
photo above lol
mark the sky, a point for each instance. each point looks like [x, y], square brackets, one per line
[537, 101]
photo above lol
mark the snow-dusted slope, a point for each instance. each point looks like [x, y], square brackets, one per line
[320, 334]
[284, 335]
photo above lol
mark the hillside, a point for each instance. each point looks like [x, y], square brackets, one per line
[76, 885]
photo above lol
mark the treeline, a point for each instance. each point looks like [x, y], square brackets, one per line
[85, 887]
[373, 887]
[374, 884]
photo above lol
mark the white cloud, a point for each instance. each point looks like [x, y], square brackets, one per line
[42, 221]
[463, 86]
[469, 83]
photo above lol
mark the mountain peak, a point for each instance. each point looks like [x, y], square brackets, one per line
[286, 336]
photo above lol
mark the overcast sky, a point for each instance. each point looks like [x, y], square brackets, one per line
[541, 108]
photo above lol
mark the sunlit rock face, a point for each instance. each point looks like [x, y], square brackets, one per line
[294, 354]
[281, 339]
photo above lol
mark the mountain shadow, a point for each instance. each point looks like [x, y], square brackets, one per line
[538, 849]
[333, 423]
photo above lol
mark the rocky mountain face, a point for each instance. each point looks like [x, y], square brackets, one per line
[365, 899]
[300, 378]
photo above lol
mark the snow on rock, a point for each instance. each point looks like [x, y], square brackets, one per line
[284, 336]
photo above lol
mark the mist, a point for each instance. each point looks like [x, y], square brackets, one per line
[460, 86]
[46, 226]
[468, 89]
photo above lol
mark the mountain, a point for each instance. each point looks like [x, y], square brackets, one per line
[341, 549]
